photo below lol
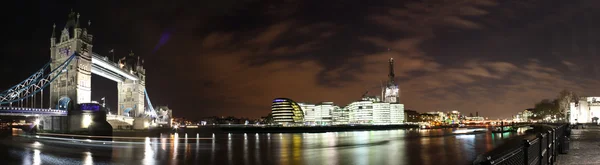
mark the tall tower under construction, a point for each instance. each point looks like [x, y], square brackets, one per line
[391, 91]
[391, 75]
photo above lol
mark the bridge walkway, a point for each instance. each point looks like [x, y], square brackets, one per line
[585, 147]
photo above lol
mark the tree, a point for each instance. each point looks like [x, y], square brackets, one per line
[565, 98]
[546, 108]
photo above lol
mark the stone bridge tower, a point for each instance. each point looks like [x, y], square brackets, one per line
[73, 86]
[132, 92]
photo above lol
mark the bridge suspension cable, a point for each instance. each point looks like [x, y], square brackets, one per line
[150, 107]
[33, 85]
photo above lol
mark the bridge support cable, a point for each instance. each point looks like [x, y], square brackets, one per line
[151, 108]
[34, 84]
[42, 99]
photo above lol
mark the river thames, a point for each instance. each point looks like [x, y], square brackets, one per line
[412, 146]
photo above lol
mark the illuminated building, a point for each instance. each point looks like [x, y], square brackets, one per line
[391, 92]
[411, 116]
[396, 113]
[453, 117]
[320, 114]
[524, 116]
[370, 111]
[340, 115]
[286, 112]
[436, 116]
[587, 110]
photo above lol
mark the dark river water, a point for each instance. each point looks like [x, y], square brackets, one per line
[436, 146]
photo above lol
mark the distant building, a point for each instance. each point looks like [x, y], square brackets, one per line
[433, 117]
[412, 116]
[164, 115]
[391, 92]
[453, 117]
[474, 118]
[369, 111]
[586, 110]
[286, 112]
[524, 116]
[341, 116]
[320, 114]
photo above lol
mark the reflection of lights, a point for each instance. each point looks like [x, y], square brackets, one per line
[148, 152]
[461, 131]
[37, 122]
[36, 144]
[470, 137]
[163, 142]
[175, 145]
[88, 158]
[245, 149]
[36, 157]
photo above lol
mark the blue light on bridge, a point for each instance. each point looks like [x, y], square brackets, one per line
[89, 107]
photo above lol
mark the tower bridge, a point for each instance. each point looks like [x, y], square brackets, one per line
[67, 76]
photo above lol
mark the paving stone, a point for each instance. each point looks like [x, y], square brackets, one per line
[584, 149]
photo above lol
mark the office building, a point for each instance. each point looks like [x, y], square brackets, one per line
[286, 112]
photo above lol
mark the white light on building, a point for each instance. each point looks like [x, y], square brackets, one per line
[587, 110]
[321, 114]
[367, 111]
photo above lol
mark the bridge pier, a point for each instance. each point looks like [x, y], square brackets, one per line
[54, 123]
[141, 123]
[85, 119]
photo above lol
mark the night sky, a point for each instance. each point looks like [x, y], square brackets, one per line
[232, 57]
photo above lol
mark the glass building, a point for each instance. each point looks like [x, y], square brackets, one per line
[286, 112]
[370, 111]
[320, 114]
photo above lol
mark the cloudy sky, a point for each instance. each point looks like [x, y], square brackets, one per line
[229, 57]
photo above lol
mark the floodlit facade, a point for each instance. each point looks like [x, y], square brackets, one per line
[361, 112]
[286, 112]
[397, 114]
[320, 114]
[340, 116]
[369, 111]
[586, 110]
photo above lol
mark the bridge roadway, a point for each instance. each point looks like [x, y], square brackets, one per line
[585, 147]
[23, 111]
[110, 70]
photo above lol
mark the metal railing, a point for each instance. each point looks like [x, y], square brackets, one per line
[540, 149]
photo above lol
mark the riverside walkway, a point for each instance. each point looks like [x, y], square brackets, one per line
[585, 147]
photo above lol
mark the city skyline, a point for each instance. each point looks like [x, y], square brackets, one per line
[201, 62]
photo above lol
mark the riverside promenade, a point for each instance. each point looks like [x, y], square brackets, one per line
[585, 147]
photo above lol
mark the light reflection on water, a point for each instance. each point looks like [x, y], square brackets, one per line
[359, 147]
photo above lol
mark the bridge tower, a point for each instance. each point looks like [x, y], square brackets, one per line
[131, 92]
[74, 85]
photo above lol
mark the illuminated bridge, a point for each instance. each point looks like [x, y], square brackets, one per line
[67, 77]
